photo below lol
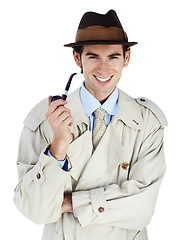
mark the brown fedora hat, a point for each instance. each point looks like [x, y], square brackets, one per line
[95, 28]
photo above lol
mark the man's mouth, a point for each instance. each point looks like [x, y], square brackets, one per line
[103, 79]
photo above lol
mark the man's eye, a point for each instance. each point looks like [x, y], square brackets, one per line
[92, 57]
[113, 57]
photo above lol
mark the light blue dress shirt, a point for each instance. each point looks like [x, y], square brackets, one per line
[90, 104]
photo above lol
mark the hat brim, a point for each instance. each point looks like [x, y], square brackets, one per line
[100, 42]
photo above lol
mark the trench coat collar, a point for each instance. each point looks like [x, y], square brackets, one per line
[77, 111]
[129, 111]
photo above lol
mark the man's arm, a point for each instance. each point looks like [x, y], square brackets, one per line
[132, 204]
[40, 192]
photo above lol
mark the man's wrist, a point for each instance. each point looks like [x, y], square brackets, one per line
[67, 204]
[59, 153]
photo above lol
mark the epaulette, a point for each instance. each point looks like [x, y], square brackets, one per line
[37, 115]
[154, 109]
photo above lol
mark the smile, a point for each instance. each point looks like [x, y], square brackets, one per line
[103, 79]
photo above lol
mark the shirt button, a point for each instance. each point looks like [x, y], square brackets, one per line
[101, 209]
[125, 165]
[38, 176]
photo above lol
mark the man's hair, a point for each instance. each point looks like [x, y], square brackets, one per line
[79, 50]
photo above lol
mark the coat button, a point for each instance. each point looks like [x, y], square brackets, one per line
[101, 209]
[125, 165]
[38, 176]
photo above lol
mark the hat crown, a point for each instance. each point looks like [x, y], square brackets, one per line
[110, 19]
[95, 28]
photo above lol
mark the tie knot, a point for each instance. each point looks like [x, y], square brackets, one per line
[99, 113]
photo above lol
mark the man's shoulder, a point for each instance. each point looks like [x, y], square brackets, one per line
[139, 107]
[146, 103]
[37, 115]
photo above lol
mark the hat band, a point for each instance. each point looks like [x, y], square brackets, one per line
[101, 33]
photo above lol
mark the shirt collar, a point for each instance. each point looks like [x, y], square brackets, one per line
[90, 103]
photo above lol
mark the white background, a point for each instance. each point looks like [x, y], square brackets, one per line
[34, 64]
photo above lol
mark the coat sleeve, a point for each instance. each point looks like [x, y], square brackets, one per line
[42, 183]
[131, 204]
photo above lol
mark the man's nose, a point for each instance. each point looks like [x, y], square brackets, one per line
[103, 67]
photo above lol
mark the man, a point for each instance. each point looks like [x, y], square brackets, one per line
[90, 167]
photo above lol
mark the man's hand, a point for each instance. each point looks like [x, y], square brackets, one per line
[59, 119]
[67, 204]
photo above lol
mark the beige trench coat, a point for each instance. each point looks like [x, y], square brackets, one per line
[114, 188]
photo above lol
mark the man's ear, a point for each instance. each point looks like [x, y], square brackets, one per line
[127, 58]
[77, 58]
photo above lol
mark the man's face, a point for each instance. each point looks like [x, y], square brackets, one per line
[102, 67]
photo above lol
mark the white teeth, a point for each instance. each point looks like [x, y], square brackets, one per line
[103, 80]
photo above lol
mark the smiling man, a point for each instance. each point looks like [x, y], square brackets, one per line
[102, 66]
[91, 167]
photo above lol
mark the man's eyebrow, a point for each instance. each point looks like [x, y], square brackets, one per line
[115, 55]
[96, 55]
[92, 54]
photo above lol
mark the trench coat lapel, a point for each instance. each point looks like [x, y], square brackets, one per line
[107, 155]
[80, 152]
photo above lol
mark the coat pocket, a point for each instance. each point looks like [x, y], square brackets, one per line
[141, 235]
[57, 236]
[53, 231]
